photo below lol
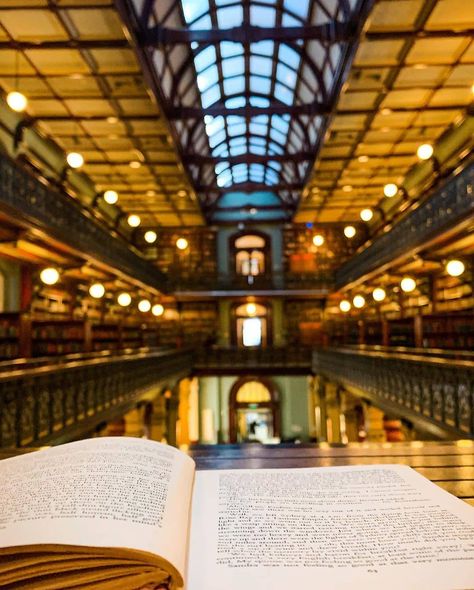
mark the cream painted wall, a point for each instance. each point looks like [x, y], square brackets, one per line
[214, 407]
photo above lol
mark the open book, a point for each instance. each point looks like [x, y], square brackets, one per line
[126, 513]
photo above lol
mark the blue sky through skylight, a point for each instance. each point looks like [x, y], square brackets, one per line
[222, 79]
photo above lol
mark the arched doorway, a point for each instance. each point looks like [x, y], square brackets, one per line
[254, 411]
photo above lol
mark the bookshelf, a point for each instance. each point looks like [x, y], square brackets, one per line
[15, 337]
[105, 337]
[53, 337]
[455, 331]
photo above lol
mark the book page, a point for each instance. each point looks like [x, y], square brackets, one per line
[103, 492]
[368, 527]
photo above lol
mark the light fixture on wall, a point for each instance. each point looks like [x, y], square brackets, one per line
[49, 275]
[97, 290]
[133, 220]
[350, 231]
[150, 236]
[390, 190]
[16, 100]
[379, 294]
[144, 305]
[358, 301]
[157, 310]
[318, 240]
[75, 160]
[181, 243]
[425, 151]
[408, 284]
[455, 268]
[111, 197]
[366, 214]
[124, 299]
[345, 305]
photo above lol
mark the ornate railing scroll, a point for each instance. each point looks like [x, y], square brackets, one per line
[63, 400]
[447, 206]
[434, 389]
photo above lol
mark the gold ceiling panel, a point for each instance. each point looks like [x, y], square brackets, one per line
[92, 98]
[410, 81]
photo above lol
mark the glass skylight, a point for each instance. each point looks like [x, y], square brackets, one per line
[222, 79]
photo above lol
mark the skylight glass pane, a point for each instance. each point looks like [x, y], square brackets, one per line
[217, 138]
[207, 78]
[220, 167]
[192, 9]
[229, 17]
[262, 47]
[205, 58]
[202, 23]
[234, 85]
[257, 141]
[257, 149]
[262, 16]
[285, 75]
[259, 101]
[238, 150]
[235, 102]
[277, 149]
[220, 151]
[283, 94]
[289, 56]
[261, 65]
[233, 66]
[237, 141]
[299, 7]
[210, 96]
[258, 129]
[279, 123]
[230, 49]
[277, 136]
[239, 129]
[260, 85]
[214, 124]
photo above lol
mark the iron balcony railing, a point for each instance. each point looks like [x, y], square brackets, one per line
[437, 390]
[64, 399]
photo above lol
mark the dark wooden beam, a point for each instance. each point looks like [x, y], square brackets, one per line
[247, 158]
[182, 112]
[329, 32]
[250, 187]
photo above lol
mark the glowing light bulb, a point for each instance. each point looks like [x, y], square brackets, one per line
[390, 190]
[181, 243]
[455, 268]
[124, 299]
[150, 236]
[358, 301]
[251, 308]
[345, 305]
[318, 240]
[350, 231]
[97, 290]
[133, 220]
[379, 294]
[157, 310]
[49, 276]
[144, 305]
[75, 159]
[17, 101]
[408, 284]
[111, 197]
[366, 214]
[347, 188]
[425, 151]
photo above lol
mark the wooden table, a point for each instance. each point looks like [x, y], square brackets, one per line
[448, 464]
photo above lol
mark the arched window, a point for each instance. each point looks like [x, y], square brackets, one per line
[251, 256]
[251, 324]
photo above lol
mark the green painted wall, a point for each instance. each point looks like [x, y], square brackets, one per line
[214, 395]
[10, 284]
